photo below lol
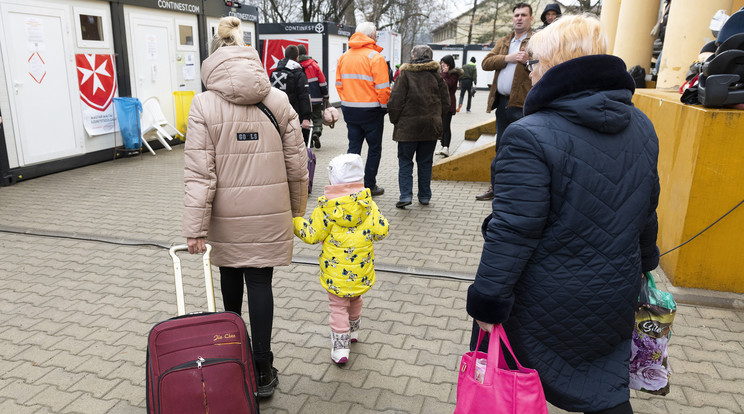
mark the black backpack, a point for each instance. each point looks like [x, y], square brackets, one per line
[283, 79]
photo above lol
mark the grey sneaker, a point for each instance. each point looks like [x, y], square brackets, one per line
[377, 191]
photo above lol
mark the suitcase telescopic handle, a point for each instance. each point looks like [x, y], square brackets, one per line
[209, 284]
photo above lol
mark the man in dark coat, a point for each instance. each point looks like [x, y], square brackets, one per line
[289, 77]
[573, 223]
[418, 101]
[318, 93]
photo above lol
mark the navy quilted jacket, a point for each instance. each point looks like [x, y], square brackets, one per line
[573, 226]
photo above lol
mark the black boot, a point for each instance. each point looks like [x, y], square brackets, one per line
[315, 141]
[266, 377]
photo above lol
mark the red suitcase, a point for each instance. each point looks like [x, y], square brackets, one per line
[200, 362]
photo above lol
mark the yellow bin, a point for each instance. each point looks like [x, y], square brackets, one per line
[183, 105]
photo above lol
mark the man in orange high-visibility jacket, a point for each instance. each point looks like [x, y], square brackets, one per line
[363, 83]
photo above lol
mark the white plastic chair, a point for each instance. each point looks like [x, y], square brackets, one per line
[154, 119]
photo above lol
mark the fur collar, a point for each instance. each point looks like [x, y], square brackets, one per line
[586, 73]
[420, 67]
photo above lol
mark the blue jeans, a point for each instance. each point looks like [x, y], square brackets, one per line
[371, 132]
[424, 151]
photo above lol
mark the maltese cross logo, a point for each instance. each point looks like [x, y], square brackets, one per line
[96, 79]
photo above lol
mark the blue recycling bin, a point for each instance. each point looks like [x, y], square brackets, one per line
[128, 112]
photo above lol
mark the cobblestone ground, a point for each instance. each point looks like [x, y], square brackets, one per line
[77, 302]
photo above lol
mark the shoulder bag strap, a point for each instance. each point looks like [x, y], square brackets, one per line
[268, 113]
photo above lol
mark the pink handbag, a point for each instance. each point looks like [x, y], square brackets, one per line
[503, 390]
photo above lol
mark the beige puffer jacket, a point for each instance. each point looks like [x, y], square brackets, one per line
[244, 181]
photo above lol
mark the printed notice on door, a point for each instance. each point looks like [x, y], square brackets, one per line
[35, 34]
[152, 46]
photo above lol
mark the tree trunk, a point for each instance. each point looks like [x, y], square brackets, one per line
[472, 21]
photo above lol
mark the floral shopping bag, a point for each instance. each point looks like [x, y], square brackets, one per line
[649, 364]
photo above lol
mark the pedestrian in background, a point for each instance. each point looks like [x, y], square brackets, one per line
[232, 184]
[551, 12]
[467, 82]
[451, 76]
[418, 103]
[511, 80]
[289, 77]
[318, 93]
[573, 223]
[363, 83]
[346, 221]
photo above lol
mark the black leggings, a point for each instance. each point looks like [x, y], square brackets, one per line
[623, 408]
[260, 302]
[446, 129]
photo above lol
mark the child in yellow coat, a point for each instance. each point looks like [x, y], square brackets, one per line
[346, 221]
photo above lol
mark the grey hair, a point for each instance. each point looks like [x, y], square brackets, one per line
[421, 52]
[228, 33]
[367, 28]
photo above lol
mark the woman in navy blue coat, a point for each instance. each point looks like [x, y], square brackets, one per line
[574, 221]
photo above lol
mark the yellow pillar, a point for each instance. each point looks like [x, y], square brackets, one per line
[736, 6]
[688, 29]
[608, 18]
[633, 41]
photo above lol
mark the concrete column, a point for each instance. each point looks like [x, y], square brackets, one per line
[608, 18]
[688, 29]
[633, 41]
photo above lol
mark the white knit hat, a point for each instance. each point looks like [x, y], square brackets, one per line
[346, 168]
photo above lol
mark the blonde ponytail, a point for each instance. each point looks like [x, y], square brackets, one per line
[229, 33]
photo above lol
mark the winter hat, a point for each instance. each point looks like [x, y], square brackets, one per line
[449, 60]
[552, 6]
[346, 168]
[472, 59]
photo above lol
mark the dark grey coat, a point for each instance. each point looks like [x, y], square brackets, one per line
[417, 102]
[573, 226]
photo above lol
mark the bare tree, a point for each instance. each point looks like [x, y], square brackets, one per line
[592, 6]
[281, 11]
[470, 26]
[337, 11]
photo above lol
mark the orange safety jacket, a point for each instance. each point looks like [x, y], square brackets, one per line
[362, 78]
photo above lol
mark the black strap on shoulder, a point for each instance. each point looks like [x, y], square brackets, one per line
[268, 113]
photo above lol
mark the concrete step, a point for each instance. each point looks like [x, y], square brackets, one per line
[468, 145]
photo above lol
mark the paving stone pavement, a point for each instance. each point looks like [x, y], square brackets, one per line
[84, 276]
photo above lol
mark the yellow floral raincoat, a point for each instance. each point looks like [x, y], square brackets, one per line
[346, 226]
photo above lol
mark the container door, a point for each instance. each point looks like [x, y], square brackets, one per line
[152, 64]
[41, 82]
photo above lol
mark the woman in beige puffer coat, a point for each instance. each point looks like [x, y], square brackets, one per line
[244, 182]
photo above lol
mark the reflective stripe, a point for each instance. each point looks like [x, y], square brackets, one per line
[361, 104]
[315, 79]
[338, 83]
[371, 54]
[323, 84]
[355, 76]
[384, 106]
[316, 100]
[382, 85]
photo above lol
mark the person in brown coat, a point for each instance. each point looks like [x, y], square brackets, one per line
[511, 81]
[245, 179]
[417, 103]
